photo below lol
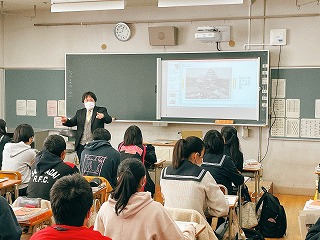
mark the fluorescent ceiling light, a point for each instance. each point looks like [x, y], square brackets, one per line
[181, 3]
[85, 5]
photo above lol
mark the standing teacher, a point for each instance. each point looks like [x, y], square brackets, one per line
[87, 120]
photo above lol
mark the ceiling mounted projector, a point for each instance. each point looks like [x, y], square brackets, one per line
[208, 34]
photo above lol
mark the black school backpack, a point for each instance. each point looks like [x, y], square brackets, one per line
[273, 220]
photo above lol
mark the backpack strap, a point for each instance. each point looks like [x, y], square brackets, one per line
[144, 154]
[261, 200]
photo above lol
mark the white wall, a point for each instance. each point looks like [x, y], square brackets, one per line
[289, 164]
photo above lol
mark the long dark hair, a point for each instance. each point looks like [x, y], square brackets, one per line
[130, 172]
[132, 136]
[183, 149]
[213, 142]
[231, 139]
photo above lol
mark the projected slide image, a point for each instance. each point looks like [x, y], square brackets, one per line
[208, 83]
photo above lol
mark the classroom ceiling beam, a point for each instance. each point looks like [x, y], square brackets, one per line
[178, 20]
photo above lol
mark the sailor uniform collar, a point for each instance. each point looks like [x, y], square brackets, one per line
[186, 172]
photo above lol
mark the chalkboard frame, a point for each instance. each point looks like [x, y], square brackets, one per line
[137, 86]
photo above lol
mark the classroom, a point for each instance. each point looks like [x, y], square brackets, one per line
[40, 40]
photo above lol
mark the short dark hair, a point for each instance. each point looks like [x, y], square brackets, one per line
[132, 136]
[101, 134]
[55, 144]
[91, 94]
[213, 142]
[130, 172]
[23, 133]
[71, 198]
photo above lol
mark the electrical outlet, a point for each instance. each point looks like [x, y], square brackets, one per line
[278, 36]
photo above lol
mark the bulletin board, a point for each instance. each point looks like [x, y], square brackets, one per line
[296, 111]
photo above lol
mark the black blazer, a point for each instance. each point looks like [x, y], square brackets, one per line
[80, 118]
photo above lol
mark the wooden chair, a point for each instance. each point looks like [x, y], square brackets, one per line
[10, 174]
[14, 175]
[104, 194]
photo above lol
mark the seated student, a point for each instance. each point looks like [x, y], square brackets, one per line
[232, 147]
[3, 138]
[19, 156]
[99, 158]
[219, 165]
[131, 213]
[186, 185]
[71, 201]
[49, 167]
[9, 227]
[132, 147]
[314, 231]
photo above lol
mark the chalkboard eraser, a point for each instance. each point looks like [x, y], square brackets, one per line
[223, 121]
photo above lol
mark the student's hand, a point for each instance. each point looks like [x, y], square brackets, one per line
[100, 115]
[64, 119]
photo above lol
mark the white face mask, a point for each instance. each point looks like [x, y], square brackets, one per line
[89, 105]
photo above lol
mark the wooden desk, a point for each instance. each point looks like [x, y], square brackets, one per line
[253, 171]
[10, 185]
[37, 222]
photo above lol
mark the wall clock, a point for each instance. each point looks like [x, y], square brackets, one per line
[122, 31]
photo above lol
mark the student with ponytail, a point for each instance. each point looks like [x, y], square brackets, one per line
[232, 146]
[186, 185]
[131, 213]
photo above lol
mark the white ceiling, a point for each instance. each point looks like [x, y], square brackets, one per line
[22, 5]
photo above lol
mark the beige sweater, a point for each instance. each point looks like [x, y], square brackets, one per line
[142, 219]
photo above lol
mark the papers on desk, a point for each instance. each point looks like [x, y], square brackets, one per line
[182, 225]
[312, 205]
[25, 214]
[3, 179]
[232, 199]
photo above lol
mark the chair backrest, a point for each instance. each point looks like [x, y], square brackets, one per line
[10, 174]
[105, 194]
[223, 189]
[191, 215]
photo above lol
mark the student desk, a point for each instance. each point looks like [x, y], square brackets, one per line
[318, 187]
[100, 193]
[10, 185]
[37, 222]
[252, 170]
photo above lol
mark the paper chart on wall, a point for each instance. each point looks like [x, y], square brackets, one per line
[278, 107]
[278, 88]
[310, 128]
[61, 107]
[293, 108]
[32, 107]
[277, 127]
[21, 107]
[317, 108]
[292, 127]
[52, 108]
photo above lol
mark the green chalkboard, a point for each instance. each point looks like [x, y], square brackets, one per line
[32, 84]
[126, 83]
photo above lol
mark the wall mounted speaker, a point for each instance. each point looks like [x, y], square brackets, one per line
[163, 36]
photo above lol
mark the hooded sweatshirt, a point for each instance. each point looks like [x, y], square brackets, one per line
[99, 158]
[142, 219]
[47, 169]
[19, 157]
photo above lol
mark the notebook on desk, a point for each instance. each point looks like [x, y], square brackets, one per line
[27, 214]
[3, 179]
